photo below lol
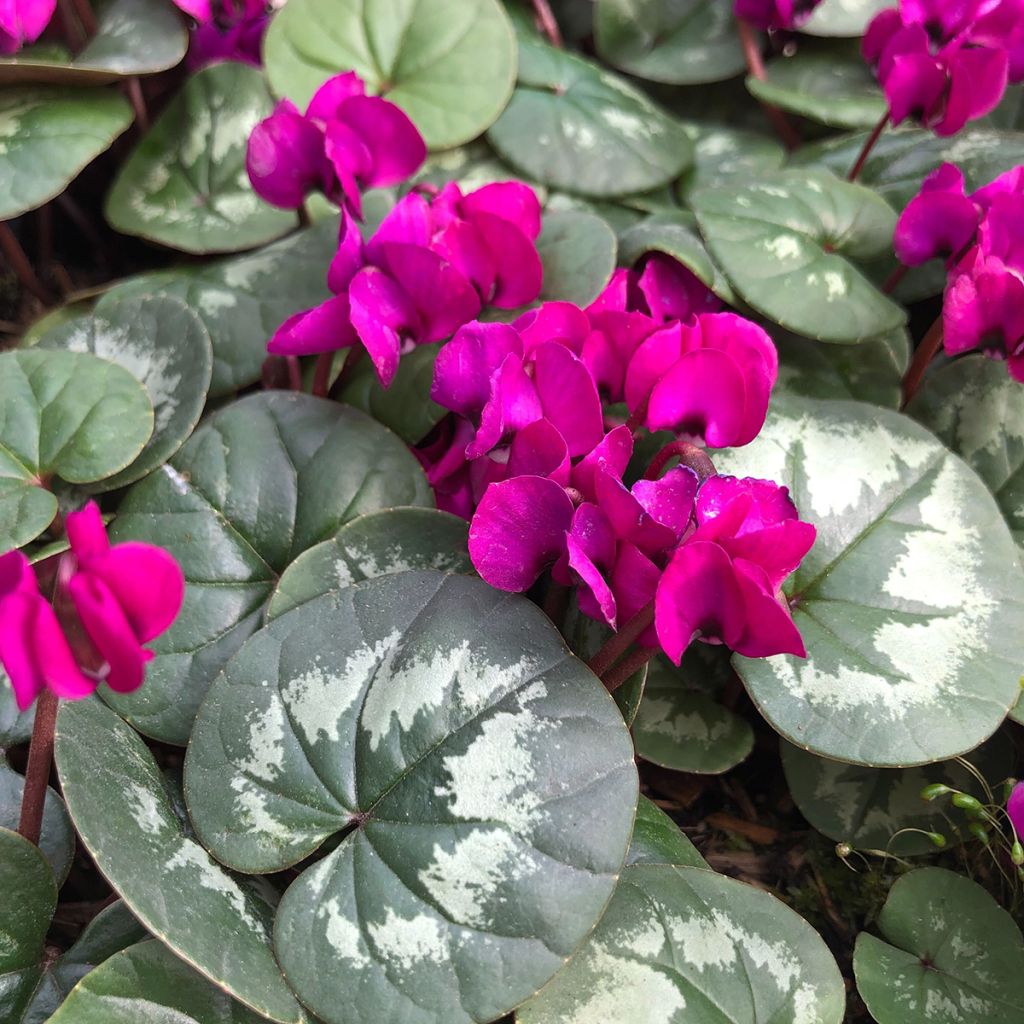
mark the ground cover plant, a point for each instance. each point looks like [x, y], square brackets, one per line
[511, 511]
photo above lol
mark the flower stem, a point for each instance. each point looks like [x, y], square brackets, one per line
[689, 455]
[892, 282]
[875, 135]
[755, 65]
[138, 101]
[37, 774]
[547, 23]
[86, 17]
[322, 374]
[923, 355]
[631, 663]
[617, 644]
[15, 256]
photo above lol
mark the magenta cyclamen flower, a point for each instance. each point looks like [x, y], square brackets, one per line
[945, 63]
[346, 142]
[1015, 809]
[23, 21]
[775, 14]
[225, 30]
[109, 600]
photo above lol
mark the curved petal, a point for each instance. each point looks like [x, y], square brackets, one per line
[553, 321]
[327, 100]
[669, 500]
[350, 158]
[634, 581]
[628, 518]
[590, 546]
[611, 454]
[147, 583]
[653, 358]
[396, 148]
[768, 627]
[934, 224]
[763, 502]
[915, 87]
[518, 272]
[407, 221]
[674, 292]
[462, 245]
[512, 201]
[382, 314]
[110, 631]
[324, 328]
[978, 79]
[16, 575]
[285, 158]
[539, 450]
[87, 534]
[17, 617]
[348, 258]
[464, 367]
[512, 406]
[568, 397]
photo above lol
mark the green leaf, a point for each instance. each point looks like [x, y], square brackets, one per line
[147, 984]
[243, 299]
[574, 126]
[681, 42]
[683, 944]
[826, 83]
[389, 541]
[57, 840]
[908, 599]
[657, 839]
[721, 151]
[471, 166]
[449, 64]
[578, 251]
[165, 346]
[124, 816]
[260, 482]
[49, 134]
[686, 731]
[185, 185]
[869, 372]
[866, 807]
[977, 409]
[64, 414]
[629, 694]
[488, 774]
[15, 725]
[903, 159]
[949, 952]
[405, 405]
[786, 244]
[133, 37]
[843, 17]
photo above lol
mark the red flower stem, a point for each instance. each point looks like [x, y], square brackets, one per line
[875, 135]
[37, 774]
[294, 373]
[74, 31]
[304, 219]
[15, 256]
[547, 23]
[924, 354]
[633, 662]
[755, 65]
[617, 644]
[322, 374]
[86, 17]
[892, 282]
[138, 101]
[689, 455]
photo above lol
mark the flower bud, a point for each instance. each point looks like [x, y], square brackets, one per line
[936, 789]
[967, 802]
[1017, 853]
[979, 832]
[937, 839]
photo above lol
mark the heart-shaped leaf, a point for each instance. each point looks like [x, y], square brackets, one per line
[843, 17]
[262, 480]
[489, 777]
[786, 243]
[243, 299]
[15, 725]
[578, 252]
[949, 952]
[683, 944]
[67, 415]
[687, 731]
[148, 984]
[681, 42]
[185, 185]
[866, 807]
[449, 64]
[123, 813]
[165, 346]
[574, 126]
[392, 540]
[57, 840]
[133, 37]
[720, 151]
[828, 83]
[49, 134]
[657, 839]
[908, 600]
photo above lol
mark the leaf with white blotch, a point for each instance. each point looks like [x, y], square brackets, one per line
[657, 839]
[684, 945]
[260, 482]
[243, 299]
[147, 984]
[681, 42]
[948, 953]
[685, 730]
[185, 185]
[389, 541]
[30, 897]
[572, 125]
[577, 250]
[871, 371]
[789, 243]
[721, 151]
[57, 840]
[843, 17]
[133, 37]
[165, 346]
[487, 774]
[62, 414]
[866, 807]
[901, 160]
[827, 83]
[909, 601]
[449, 64]
[119, 803]
[15, 725]
[48, 134]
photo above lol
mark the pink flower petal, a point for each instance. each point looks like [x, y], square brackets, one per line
[611, 454]
[285, 157]
[634, 581]
[464, 367]
[348, 258]
[539, 450]
[327, 100]
[768, 627]
[382, 314]
[512, 201]
[17, 616]
[669, 500]
[568, 397]
[553, 321]
[518, 272]
[395, 145]
[512, 406]
[462, 245]
[87, 534]
[110, 631]
[978, 80]
[653, 358]
[939, 221]
[673, 292]
[324, 328]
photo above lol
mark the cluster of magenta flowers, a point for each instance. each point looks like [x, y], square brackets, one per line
[107, 601]
[946, 62]
[775, 15]
[981, 238]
